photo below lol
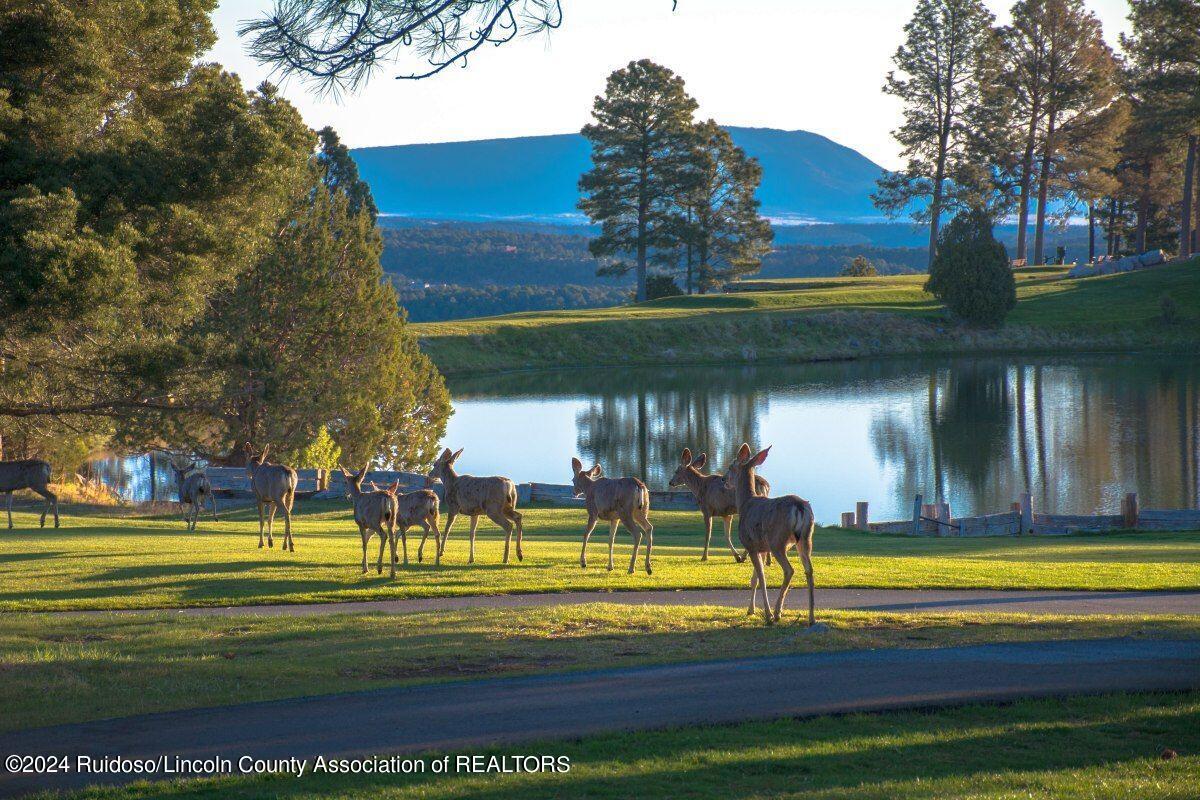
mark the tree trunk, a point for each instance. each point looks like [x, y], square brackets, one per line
[1027, 181]
[1185, 227]
[641, 258]
[1112, 226]
[1091, 233]
[935, 209]
[1039, 236]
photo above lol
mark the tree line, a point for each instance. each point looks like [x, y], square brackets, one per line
[1042, 118]
[185, 264]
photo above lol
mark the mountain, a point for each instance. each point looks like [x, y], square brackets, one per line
[805, 177]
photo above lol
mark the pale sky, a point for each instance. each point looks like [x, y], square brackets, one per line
[814, 65]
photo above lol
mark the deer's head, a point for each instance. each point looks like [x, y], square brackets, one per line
[583, 479]
[443, 467]
[353, 480]
[744, 464]
[686, 462]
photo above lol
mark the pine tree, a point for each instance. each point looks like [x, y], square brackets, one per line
[725, 233]
[941, 71]
[641, 141]
[971, 273]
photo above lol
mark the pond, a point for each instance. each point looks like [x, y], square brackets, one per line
[1076, 432]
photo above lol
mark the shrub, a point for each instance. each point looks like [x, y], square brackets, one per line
[860, 267]
[661, 286]
[970, 273]
[321, 453]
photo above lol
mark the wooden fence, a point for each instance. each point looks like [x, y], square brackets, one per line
[935, 519]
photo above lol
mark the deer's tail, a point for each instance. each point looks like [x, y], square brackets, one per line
[803, 520]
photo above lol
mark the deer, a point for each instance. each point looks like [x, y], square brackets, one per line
[495, 497]
[771, 525]
[274, 487]
[614, 500]
[194, 487]
[412, 508]
[33, 474]
[714, 499]
[375, 512]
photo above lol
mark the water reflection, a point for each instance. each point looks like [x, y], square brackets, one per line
[1077, 433]
[135, 478]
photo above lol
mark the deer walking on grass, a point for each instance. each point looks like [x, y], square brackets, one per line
[32, 474]
[714, 498]
[771, 525]
[274, 487]
[412, 509]
[495, 497]
[375, 512]
[614, 500]
[194, 487]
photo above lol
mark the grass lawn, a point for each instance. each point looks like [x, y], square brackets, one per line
[858, 317]
[1086, 747]
[59, 669]
[114, 563]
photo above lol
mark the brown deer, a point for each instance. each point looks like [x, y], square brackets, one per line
[416, 508]
[194, 487]
[771, 525]
[33, 474]
[375, 512]
[614, 500]
[714, 499]
[274, 486]
[495, 497]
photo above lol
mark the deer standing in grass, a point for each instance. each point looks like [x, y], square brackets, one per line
[375, 512]
[274, 487]
[614, 500]
[494, 497]
[33, 474]
[771, 525]
[194, 487]
[713, 497]
[413, 508]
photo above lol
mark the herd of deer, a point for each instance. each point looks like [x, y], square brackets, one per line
[767, 526]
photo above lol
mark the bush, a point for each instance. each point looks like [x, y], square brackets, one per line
[661, 286]
[970, 273]
[860, 267]
[321, 453]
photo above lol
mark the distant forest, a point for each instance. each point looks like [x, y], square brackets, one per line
[452, 270]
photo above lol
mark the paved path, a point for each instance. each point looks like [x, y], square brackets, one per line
[473, 714]
[978, 600]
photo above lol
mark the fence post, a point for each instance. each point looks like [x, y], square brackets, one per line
[860, 516]
[943, 518]
[1026, 513]
[847, 519]
[916, 521]
[1129, 510]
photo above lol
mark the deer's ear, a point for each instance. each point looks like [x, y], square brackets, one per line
[596, 471]
[699, 461]
[743, 453]
[445, 456]
[759, 458]
[262, 457]
[454, 457]
[394, 487]
[686, 458]
[345, 472]
[576, 466]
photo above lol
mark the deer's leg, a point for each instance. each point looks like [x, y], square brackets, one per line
[474, 525]
[49, 497]
[788, 572]
[753, 590]
[9, 504]
[707, 534]
[636, 530]
[391, 537]
[587, 534]
[762, 585]
[421, 547]
[212, 500]
[649, 531]
[738, 557]
[383, 541]
[450, 517]
[519, 522]
[271, 509]
[507, 526]
[287, 521]
[260, 524]
[195, 514]
[403, 544]
[805, 548]
[612, 541]
[362, 532]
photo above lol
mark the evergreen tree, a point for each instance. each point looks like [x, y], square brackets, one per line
[723, 230]
[860, 267]
[941, 70]
[641, 140]
[971, 274]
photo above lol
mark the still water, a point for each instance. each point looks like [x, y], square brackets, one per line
[1076, 432]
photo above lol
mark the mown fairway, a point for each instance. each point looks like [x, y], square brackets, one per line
[112, 563]
[1086, 747]
[858, 317]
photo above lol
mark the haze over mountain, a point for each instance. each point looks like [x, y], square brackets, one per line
[806, 177]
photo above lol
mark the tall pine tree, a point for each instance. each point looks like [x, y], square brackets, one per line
[641, 141]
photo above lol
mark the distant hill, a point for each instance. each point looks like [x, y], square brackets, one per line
[805, 177]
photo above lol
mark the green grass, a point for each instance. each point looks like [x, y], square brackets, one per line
[112, 563]
[823, 318]
[1085, 747]
[60, 669]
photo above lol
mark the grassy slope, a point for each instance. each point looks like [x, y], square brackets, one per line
[827, 318]
[1088, 747]
[97, 562]
[60, 669]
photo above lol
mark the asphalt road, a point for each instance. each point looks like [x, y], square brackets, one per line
[474, 714]
[977, 600]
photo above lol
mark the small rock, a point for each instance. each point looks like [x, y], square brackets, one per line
[819, 627]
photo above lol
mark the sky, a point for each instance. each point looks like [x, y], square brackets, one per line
[813, 65]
